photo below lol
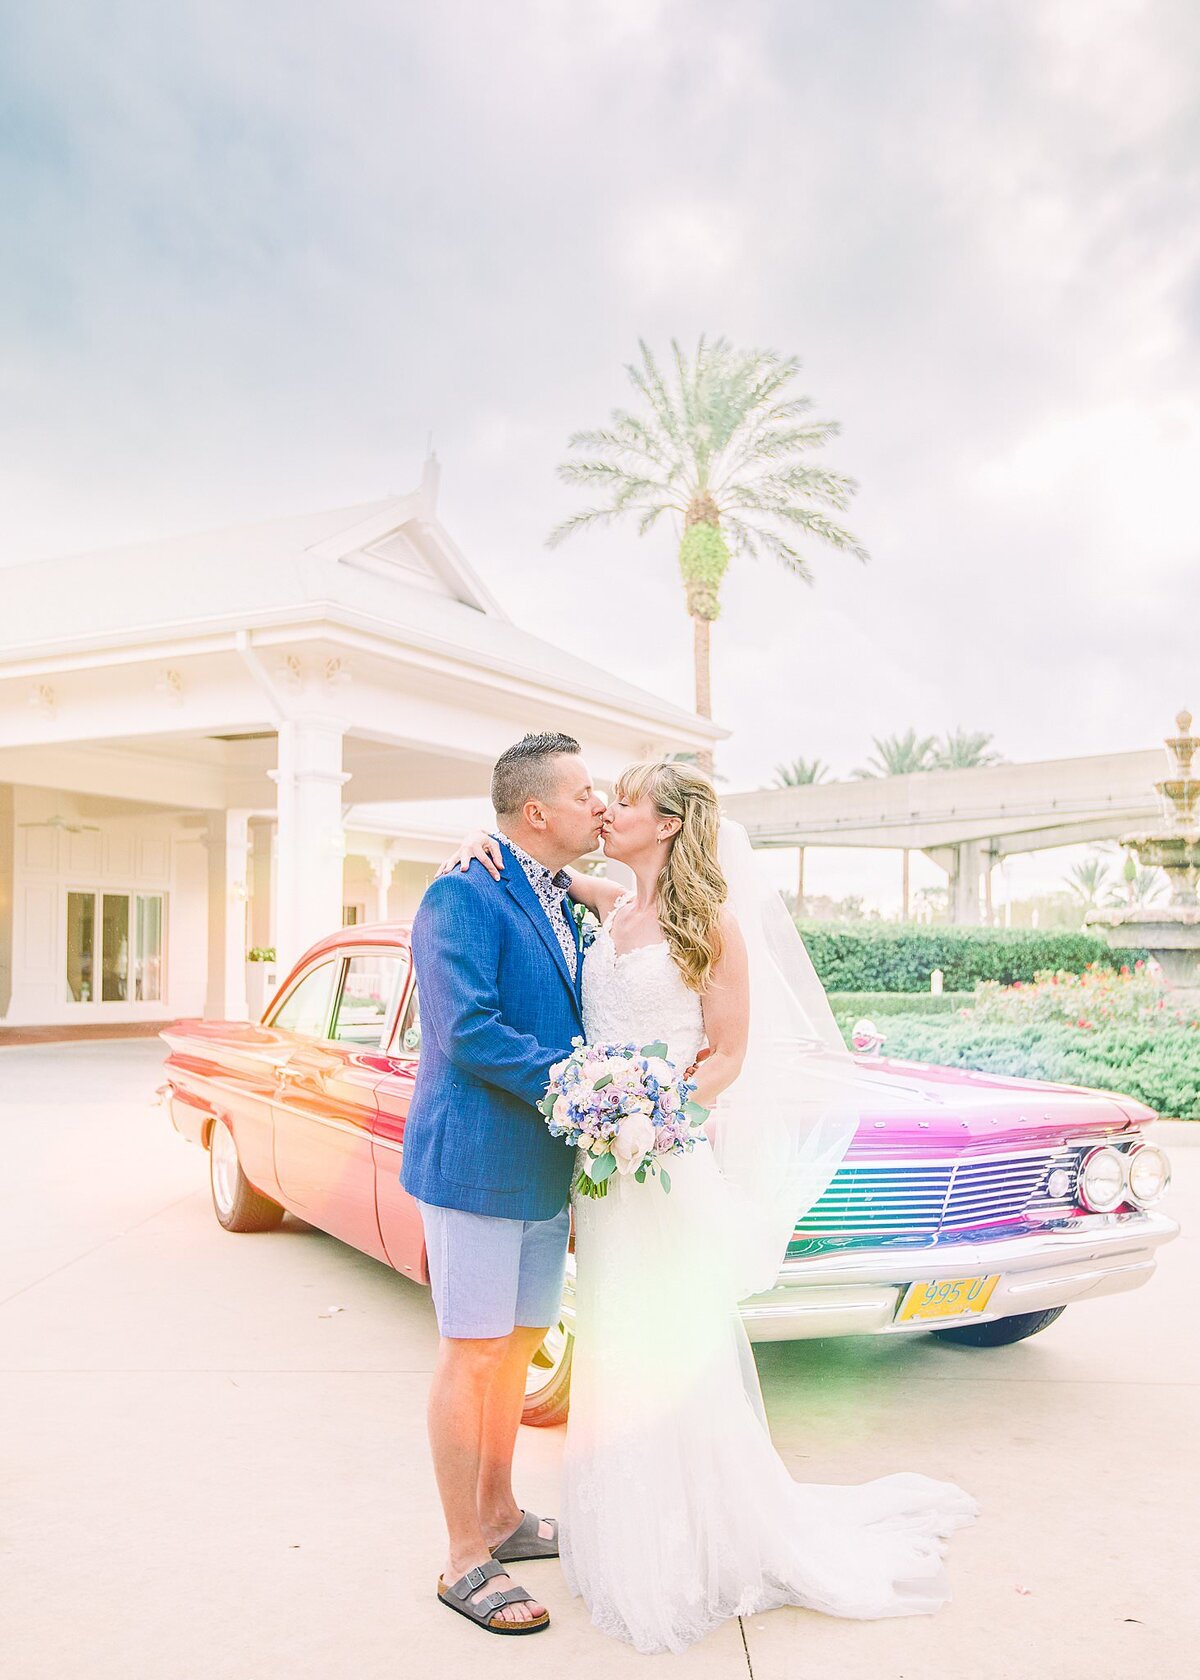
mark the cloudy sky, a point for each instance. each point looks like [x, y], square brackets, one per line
[255, 255]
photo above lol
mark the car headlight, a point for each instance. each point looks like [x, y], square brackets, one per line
[1149, 1173]
[1102, 1179]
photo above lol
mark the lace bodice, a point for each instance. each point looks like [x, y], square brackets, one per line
[638, 997]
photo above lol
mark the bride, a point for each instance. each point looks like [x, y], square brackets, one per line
[677, 1511]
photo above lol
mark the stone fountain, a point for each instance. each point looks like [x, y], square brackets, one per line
[1170, 931]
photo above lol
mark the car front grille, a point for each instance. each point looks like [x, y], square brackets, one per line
[934, 1197]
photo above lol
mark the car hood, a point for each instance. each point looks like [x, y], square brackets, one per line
[916, 1104]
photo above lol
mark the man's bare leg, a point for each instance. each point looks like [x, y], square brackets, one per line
[504, 1402]
[465, 1373]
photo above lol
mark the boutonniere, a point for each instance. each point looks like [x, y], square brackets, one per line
[586, 925]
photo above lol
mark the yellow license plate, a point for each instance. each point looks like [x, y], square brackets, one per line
[947, 1297]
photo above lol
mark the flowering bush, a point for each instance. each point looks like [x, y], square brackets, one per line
[1087, 1001]
[1113, 1031]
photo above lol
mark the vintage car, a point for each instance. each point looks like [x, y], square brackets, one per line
[973, 1207]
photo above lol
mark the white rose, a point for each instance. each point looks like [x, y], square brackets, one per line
[634, 1139]
[657, 1068]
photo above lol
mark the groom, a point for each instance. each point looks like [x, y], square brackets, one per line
[499, 975]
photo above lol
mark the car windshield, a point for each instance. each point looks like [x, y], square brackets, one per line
[305, 1010]
[366, 998]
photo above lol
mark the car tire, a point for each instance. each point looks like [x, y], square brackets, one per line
[548, 1381]
[237, 1204]
[1000, 1332]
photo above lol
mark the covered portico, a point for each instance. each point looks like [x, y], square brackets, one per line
[187, 727]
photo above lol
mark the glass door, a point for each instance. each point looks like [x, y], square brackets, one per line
[148, 949]
[81, 947]
[114, 922]
[115, 956]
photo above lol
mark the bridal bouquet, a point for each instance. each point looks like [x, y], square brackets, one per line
[626, 1109]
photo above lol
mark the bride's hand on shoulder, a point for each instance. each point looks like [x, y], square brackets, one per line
[479, 847]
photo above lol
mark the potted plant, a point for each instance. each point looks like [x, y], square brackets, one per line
[261, 979]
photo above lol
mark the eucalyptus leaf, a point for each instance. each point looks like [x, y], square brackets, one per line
[658, 1048]
[666, 1179]
[601, 1083]
[605, 1167]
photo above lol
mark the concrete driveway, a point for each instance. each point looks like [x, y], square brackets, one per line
[208, 1472]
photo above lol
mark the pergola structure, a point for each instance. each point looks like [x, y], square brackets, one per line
[243, 689]
[965, 821]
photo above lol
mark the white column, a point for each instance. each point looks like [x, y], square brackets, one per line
[262, 887]
[273, 919]
[964, 885]
[228, 843]
[309, 780]
[382, 870]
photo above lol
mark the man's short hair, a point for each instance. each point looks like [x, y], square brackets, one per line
[526, 771]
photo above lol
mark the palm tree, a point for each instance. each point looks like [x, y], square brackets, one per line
[1089, 882]
[1145, 886]
[801, 772]
[964, 749]
[1141, 886]
[716, 443]
[900, 755]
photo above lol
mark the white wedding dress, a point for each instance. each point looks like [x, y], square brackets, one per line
[677, 1512]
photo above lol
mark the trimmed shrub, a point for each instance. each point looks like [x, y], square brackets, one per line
[1157, 1063]
[876, 957]
[850, 1005]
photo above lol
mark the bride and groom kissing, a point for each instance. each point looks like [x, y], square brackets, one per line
[677, 1513]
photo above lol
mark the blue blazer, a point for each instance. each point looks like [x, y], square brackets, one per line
[498, 1008]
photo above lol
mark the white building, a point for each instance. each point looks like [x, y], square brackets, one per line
[187, 728]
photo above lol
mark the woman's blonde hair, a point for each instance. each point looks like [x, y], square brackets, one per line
[691, 887]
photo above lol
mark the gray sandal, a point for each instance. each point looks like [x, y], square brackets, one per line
[525, 1543]
[485, 1613]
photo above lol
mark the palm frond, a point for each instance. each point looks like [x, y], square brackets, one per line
[966, 749]
[830, 488]
[801, 772]
[579, 522]
[749, 538]
[718, 422]
[899, 755]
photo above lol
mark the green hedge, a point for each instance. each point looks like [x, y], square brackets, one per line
[876, 957]
[848, 1006]
[1159, 1064]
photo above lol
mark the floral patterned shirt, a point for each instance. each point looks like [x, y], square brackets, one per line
[550, 886]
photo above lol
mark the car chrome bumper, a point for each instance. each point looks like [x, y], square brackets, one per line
[857, 1292]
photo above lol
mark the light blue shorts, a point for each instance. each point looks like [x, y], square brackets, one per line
[488, 1275]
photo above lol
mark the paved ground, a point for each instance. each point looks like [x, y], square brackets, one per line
[205, 1473]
